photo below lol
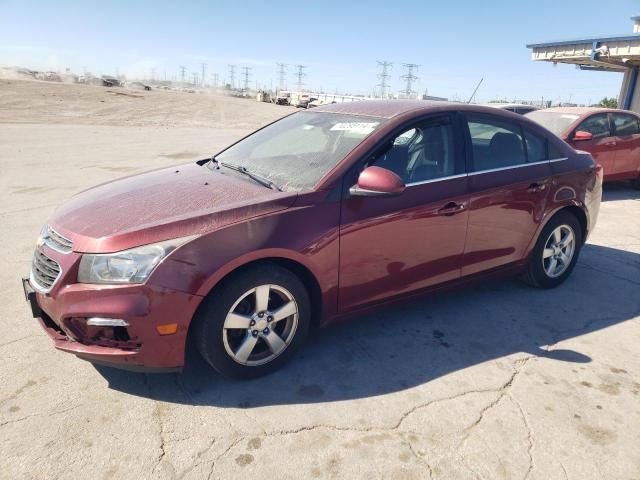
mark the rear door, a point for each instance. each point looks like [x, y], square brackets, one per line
[602, 146]
[627, 137]
[393, 245]
[508, 181]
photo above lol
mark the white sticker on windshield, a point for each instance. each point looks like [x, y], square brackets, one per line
[356, 127]
[571, 117]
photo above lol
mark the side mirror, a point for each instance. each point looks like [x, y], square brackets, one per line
[377, 182]
[581, 136]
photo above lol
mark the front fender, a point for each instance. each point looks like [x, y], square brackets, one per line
[305, 234]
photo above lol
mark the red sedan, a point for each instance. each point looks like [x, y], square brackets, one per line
[320, 215]
[612, 137]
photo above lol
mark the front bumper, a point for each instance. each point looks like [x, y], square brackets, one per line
[62, 313]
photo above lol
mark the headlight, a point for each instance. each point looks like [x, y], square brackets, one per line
[128, 266]
[44, 233]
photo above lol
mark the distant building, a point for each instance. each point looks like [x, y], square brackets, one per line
[435, 99]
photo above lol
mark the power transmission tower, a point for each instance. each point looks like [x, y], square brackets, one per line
[214, 78]
[384, 76]
[153, 74]
[245, 75]
[182, 70]
[204, 70]
[300, 74]
[409, 77]
[195, 78]
[232, 75]
[282, 72]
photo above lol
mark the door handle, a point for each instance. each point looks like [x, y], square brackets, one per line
[537, 187]
[451, 208]
[610, 144]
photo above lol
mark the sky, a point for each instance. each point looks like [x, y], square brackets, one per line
[456, 43]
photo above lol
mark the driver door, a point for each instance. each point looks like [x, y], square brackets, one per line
[397, 244]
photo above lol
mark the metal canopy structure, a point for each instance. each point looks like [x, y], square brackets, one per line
[611, 53]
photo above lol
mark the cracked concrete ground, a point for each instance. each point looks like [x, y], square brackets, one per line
[497, 381]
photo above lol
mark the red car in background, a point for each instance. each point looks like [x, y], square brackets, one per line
[319, 215]
[611, 136]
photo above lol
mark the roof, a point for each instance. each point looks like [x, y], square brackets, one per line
[506, 105]
[394, 108]
[580, 110]
[614, 53]
[382, 108]
[603, 38]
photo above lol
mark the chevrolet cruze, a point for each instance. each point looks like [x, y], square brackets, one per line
[317, 216]
[611, 136]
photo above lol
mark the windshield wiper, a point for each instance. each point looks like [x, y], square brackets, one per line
[256, 178]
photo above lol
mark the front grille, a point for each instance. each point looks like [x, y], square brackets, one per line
[56, 241]
[44, 271]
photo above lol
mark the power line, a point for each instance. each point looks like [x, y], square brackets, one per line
[282, 72]
[384, 76]
[300, 74]
[245, 75]
[232, 75]
[409, 77]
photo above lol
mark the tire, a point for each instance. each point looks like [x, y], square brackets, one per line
[253, 351]
[635, 183]
[541, 272]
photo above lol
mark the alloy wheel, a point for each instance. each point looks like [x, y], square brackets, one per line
[260, 325]
[558, 251]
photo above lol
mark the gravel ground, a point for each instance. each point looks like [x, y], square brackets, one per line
[498, 381]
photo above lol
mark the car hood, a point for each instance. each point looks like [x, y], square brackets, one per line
[160, 205]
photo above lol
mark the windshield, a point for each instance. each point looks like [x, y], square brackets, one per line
[557, 122]
[295, 152]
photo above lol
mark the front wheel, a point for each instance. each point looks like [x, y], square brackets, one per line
[253, 323]
[556, 252]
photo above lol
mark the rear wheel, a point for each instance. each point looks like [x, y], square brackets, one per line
[556, 252]
[253, 323]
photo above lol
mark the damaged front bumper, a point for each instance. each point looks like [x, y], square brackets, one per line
[122, 326]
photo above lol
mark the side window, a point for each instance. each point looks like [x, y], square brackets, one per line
[424, 152]
[554, 152]
[536, 147]
[596, 125]
[625, 124]
[496, 143]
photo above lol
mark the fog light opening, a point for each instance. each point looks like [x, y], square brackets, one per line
[105, 332]
[121, 334]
